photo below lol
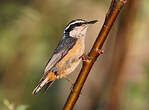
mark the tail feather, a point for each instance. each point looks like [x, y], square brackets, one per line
[48, 85]
[39, 86]
[46, 79]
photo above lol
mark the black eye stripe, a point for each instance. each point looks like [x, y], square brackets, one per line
[73, 25]
[76, 21]
[78, 24]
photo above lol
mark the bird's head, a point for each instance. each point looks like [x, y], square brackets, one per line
[77, 28]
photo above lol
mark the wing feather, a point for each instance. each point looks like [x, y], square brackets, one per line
[65, 44]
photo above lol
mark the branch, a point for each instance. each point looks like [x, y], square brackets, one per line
[112, 13]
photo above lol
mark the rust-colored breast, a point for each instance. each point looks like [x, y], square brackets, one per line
[71, 59]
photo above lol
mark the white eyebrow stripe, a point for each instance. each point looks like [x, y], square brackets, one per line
[73, 23]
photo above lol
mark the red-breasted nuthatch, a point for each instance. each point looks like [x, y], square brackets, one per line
[66, 56]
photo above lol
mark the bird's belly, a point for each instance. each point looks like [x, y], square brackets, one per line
[67, 69]
[71, 60]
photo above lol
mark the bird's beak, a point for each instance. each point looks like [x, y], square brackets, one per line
[92, 22]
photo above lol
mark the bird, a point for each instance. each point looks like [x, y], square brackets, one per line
[67, 55]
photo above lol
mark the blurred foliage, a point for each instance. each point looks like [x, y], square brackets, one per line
[137, 93]
[11, 106]
[27, 35]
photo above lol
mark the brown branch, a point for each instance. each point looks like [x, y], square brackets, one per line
[113, 11]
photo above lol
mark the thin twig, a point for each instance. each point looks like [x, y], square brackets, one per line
[112, 13]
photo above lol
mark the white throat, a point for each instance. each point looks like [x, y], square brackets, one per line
[78, 33]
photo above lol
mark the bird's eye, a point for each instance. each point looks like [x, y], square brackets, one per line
[78, 24]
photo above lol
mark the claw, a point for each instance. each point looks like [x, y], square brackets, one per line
[85, 57]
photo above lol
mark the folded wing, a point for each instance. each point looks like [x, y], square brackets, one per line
[62, 49]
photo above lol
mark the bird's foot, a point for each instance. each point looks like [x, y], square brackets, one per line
[86, 58]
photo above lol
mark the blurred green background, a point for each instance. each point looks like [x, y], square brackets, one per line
[30, 31]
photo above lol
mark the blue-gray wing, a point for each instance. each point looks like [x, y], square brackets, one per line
[65, 44]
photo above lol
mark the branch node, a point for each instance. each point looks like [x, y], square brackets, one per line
[100, 51]
[105, 26]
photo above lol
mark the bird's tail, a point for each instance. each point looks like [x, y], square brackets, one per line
[45, 80]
